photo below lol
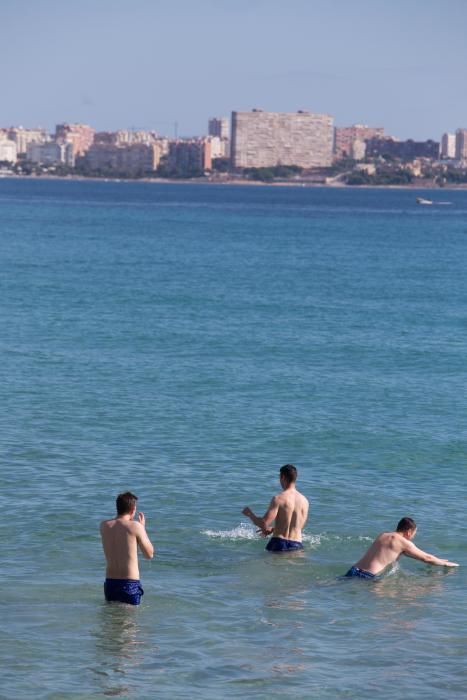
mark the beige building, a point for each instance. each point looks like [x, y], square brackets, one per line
[136, 158]
[219, 147]
[265, 139]
[23, 137]
[190, 155]
[461, 144]
[8, 150]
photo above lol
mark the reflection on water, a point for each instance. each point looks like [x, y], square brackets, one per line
[119, 649]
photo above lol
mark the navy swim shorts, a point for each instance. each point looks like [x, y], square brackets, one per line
[123, 590]
[279, 544]
[360, 573]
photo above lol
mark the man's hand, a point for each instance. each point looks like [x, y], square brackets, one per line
[246, 511]
[450, 563]
[142, 519]
[265, 532]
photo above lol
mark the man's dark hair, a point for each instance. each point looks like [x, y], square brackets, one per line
[406, 525]
[125, 502]
[289, 473]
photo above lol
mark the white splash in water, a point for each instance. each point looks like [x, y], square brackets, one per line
[245, 531]
[314, 540]
[242, 532]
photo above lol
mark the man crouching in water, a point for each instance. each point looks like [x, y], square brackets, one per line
[121, 537]
[388, 547]
[288, 511]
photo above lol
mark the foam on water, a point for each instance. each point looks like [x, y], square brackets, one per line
[244, 531]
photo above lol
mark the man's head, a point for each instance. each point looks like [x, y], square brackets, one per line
[126, 503]
[407, 528]
[288, 475]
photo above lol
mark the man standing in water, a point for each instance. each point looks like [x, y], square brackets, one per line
[121, 537]
[388, 547]
[288, 511]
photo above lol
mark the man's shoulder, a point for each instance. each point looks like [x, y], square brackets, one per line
[107, 523]
[390, 538]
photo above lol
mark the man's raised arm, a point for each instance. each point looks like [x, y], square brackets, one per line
[414, 552]
[143, 540]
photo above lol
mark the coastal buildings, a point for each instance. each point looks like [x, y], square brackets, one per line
[219, 126]
[81, 137]
[50, 153]
[219, 147]
[190, 155]
[405, 150]
[448, 146]
[350, 141]
[218, 131]
[461, 144]
[125, 137]
[22, 137]
[8, 152]
[135, 158]
[265, 139]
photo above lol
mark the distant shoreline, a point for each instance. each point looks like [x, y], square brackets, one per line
[237, 182]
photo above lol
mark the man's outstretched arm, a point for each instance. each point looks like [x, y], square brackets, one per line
[414, 552]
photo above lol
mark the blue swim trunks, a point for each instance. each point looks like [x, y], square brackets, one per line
[359, 573]
[279, 544]
[123, 590]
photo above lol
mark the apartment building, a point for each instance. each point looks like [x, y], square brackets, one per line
[348, 140]
[81, 136]
[265, 139]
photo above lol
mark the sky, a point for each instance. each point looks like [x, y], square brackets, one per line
[169, 65]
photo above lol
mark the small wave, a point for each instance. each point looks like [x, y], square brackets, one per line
[317, 540]
[244, 531]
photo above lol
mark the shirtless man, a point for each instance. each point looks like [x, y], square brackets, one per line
[121, 537]
[288, 511]
[388, 547]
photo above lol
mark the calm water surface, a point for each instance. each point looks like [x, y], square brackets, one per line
[185, 341]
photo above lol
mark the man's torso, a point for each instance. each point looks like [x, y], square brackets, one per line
[120, 549]
[385, 550]
[291, 516]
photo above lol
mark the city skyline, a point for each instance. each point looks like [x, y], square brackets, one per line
[169, 68]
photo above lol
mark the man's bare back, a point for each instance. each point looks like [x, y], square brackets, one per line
[121, 538]
[288, 511]
[388, 547]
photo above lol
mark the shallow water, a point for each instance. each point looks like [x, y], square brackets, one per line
[184, 341]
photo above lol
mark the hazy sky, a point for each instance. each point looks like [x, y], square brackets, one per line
[401, 64]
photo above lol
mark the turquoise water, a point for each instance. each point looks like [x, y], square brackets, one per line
[185, 341]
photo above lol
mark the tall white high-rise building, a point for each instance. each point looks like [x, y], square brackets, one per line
[461, 144]
[448, 146]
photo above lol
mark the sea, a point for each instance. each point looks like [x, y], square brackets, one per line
[184, 341]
